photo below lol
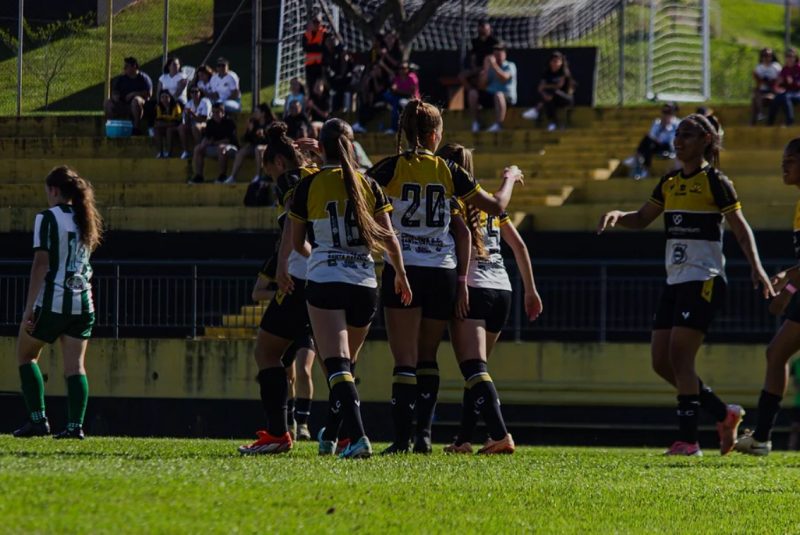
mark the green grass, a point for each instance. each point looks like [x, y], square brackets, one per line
[105, 485]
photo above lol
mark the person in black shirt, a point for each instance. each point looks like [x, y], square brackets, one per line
[339, 67]
[219, 141]
[556, 89]
[297, 122]
[129, 93]
[482, 46]
[318, 105]
[255, 140]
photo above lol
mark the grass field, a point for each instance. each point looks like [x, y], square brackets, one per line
[118, 485]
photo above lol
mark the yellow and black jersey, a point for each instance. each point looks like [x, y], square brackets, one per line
[694, 207]
[489, 271]
[420, 186]
[796, 229]
[268, 271]
[338, 254]
[284, 187]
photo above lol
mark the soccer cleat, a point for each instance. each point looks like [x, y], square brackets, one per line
[749, 445]
[70, 433]
[326, 447]
[33, 429]
[341, 445]
[728, 428]
[684, 448]
[422, 445]
[494, 128]
[303, 433]
[504, 445]
[464, 447]
[360, 449]
[395, 449]
[185, 155]
[267, 443]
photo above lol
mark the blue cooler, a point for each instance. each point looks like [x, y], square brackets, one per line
[119, 128]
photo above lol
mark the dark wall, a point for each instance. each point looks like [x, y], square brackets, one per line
[44, 10]
[241, 27]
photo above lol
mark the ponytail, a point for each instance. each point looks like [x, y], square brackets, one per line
[418, 120]
[80, 191]
[336, 138]
[711, 152]
[280, 144]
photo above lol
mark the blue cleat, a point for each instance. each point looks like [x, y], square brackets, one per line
[326, 447]
[360, 449]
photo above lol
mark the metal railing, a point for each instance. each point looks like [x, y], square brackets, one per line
[585, 300]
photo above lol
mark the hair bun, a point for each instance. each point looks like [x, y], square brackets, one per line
[277, 131]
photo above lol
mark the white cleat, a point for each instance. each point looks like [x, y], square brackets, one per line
[748, 445]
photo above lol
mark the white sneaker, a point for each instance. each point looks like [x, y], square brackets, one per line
[494, 128]
[151, 132]
[476, 127]
[640, 174]
[630, 161]
[185, 155]
[255, 179]
[230, 180]
[552, 127]
[358, 129]
[531, 114]
[390, 131]
[160, 155]
[749, 445]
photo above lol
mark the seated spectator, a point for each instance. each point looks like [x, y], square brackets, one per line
[501, 88]
[314, 46]
[766, 76]
[371, 95]
[255, 141]
[219, 141]
[297, 92]
[202, 80]
[339, 69]
[195, 116]
[168, 118]
[129, 93]
[391, 57]
[482, 46]
[173, 80]
[787, 89]
[659, 141]
[556, 90]
[318, 105]
[224, 87]
[297, 123]
[405, 86]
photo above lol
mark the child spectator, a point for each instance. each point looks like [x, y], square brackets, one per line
[501, 88]
[405, 86]
[219, 141]
[766, 76]
[129, 93]
[173, 80]
[787, 89]
[168, 118]
[255, 141]
[318, 105]
[658, 141]
[556, 90]
[482, 46]
[297, 92]
[297, 122]
[224, 87]
[203, 80]
[195, 116]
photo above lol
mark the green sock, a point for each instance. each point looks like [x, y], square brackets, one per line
[33, 390]
[77, 398]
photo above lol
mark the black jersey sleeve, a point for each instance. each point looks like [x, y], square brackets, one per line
[657, 197]
[383, 171]
[464, 184]
[723, 191]
[285, 185]
[382, 204]
[299, 209]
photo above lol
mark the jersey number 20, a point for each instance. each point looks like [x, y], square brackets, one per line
[434, 205]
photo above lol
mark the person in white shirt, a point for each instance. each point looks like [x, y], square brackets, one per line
[765, 76]
[659, 140]
[195, 115]
[224, 87]
[173, 80]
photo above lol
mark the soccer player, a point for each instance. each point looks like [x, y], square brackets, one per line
[696, 200]
[420, 185]
[786, 341]
[59, 304]
[346, 216]
[481, 317]
[286, 319]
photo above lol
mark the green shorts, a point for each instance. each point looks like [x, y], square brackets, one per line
[50, 326]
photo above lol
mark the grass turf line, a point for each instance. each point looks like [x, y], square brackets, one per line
[126, 485]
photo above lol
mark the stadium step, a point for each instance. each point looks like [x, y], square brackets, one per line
[228, 333]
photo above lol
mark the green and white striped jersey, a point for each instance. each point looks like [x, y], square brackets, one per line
[66, 287]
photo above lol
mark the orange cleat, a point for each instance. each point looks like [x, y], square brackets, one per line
[504, 445]
[464, 447]
[729, 428]
[267, 443]
[687, 449]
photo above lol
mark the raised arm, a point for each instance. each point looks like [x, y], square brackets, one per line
[496, 204]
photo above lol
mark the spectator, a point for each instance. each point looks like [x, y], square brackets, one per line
[339, 69]
[195, 116]
[658, 141]
[787, 89]
[405, 86]
[318, 105]
[766, 76]
[219, 141]
[255, 140]
[224, 87]
[482, 46]
[373, 92]
[501, 88]
[129, 93]
[391, 57]
[297, 122]
[313, 46]
[203, 80]
[174, 81]
[556, 90]
[297, 92]
[168, 118]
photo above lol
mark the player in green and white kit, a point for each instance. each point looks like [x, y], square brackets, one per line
[59, 303]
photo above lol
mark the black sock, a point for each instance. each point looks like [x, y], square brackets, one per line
[343, 389]
[333, 420]
[469, 419]
[688, 407]
[290, 411]
[484, 396]
[274, 395]
[302, 410]
[711, 403]
[404, 398]
[427, 394]
[768, 407]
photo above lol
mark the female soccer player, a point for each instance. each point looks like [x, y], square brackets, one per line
[421, 185]
[346, 216]
[59, 304]
[786, 341]
[475, 330]
[286, 319]
[695, 200]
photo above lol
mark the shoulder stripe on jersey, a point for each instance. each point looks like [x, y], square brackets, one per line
[471, 193]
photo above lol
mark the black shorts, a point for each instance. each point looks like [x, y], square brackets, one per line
[433, 289]
[304, 342]
[792, 311]
[287, 315]
[358, 302]
[690, 304]
[491, 306]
